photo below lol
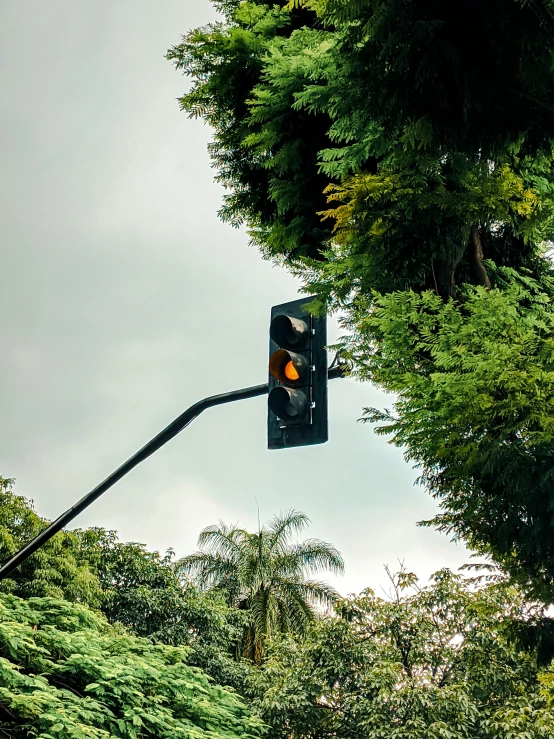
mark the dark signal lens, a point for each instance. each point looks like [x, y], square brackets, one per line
[288, 404]
[289, 332]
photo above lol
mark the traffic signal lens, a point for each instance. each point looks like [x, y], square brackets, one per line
[291, 372]
[289, 332]
[290, 410]
[289, 367]
[288, 404]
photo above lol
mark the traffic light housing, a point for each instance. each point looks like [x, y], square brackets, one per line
[297, 398]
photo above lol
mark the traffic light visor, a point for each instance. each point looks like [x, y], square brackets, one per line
[288, 404]
[289, 332]
[288, 368]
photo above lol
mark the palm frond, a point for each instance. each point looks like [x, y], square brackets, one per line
[266, 574]
[209, 570]
[315, 592]
[222, 540]
[296, 611]
[284, 525]
[265, 618]
[310, 556]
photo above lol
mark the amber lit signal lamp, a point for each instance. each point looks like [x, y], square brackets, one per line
[288, 367]
[290, 371]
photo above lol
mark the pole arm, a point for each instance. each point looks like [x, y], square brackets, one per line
[180, 423]
[335, 371]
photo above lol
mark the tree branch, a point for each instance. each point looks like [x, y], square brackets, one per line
[477, 260]
[8, 712]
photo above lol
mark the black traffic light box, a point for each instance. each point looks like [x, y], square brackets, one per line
[297, 399]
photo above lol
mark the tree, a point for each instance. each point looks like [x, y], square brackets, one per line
[437, 661]
[64, 672]
[386, 101]
[56, 570]
[266, 574]
[143, 592]
[475, 389]
[408, 179]
[132, 587]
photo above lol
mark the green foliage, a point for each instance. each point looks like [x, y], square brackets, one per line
[304, 97]
[478, 75]
[410, 226]
[56, 569]
[398, 156]
[143, 591]
[474, 386]
[134, 588]
[64, 672]
[452, 660]
[266, 575]
[424, 662]
[272, 194]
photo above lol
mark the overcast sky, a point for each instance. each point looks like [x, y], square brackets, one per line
[124, 300]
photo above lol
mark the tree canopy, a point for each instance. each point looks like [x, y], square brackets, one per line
[57, 569]
[133, 587]
[398, 156]
[144, 592]
[461, 657]
[435, 661]
[266, 574]
[64, 672]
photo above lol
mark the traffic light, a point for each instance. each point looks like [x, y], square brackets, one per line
[297, 399]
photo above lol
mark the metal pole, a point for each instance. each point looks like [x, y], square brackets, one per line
[335, 371]
[156, 443]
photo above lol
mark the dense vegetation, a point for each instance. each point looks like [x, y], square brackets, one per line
[425, 662]
[398, 157]
[163, 624]
[455, 659]
[64, 672]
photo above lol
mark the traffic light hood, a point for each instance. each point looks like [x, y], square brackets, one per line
[289, 332]
[289, 368]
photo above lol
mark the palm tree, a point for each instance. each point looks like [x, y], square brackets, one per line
[267, 574]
